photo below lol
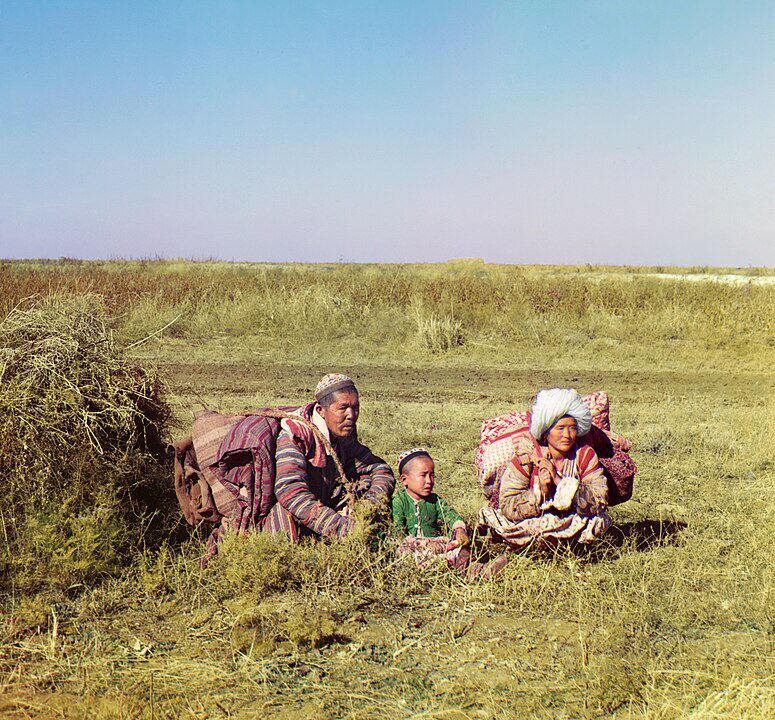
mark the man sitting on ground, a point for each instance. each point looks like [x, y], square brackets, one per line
[312, 500]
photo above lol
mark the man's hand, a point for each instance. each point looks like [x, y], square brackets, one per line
[376, 499]
[344, 528]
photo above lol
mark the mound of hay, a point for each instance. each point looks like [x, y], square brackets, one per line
[81, 453]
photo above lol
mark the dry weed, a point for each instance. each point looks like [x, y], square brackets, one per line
[82, 430]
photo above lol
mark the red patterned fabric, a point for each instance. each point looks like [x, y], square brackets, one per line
[618, 466]
[498, 444]
[598, 405]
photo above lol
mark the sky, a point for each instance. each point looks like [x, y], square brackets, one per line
[536, 131]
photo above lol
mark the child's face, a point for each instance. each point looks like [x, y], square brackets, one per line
[418, 477]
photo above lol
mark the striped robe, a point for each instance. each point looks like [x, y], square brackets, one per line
[518, 496]
[310, 497]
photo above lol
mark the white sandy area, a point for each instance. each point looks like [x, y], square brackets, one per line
[710, 277]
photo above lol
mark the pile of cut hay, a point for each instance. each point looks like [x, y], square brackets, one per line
[81, 454]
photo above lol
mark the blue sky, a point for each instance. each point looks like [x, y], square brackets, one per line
[555, 132]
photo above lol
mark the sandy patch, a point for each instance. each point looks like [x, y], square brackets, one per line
[711, 277]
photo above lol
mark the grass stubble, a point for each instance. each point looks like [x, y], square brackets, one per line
[670, 617]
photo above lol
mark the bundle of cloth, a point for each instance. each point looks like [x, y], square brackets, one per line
[550, 474]
[225, 470]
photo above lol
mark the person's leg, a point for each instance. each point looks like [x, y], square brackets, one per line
[424, 550]
[460, 560]
[487, 570]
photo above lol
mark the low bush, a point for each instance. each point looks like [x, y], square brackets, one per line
[82, 451]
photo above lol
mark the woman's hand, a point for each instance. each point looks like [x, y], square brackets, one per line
[619, 440]
[546, 476]
[623, 442]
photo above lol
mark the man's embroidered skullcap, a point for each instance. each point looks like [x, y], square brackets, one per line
[408, 455]
[551, 405]
[331, 383]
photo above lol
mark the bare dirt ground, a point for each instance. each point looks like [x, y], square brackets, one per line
[498, 386]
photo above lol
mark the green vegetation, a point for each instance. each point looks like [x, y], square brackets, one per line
[346, 311]
[670, 617]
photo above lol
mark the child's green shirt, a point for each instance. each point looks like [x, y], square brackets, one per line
[429, 517]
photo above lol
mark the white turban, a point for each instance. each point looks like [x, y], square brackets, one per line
[551, 405]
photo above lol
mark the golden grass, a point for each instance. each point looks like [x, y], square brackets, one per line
[500, 305]
[670, 617]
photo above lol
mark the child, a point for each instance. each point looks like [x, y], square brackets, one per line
[429, 525]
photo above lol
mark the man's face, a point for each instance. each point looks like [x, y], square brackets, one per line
[342, 415]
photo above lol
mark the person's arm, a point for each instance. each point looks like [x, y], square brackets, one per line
[592, 497]
[449, 518]
[518, 500]
[453, 525]
[292, 490]
[375, 474]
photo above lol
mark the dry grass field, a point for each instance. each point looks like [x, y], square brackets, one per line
[671, 616]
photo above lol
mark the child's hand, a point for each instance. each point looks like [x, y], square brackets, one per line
[459, 539]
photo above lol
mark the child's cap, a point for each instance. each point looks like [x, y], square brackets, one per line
[407, 455]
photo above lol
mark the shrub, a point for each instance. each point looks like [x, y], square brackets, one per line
[81, 450]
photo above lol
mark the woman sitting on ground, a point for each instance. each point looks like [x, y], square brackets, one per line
[554, 488]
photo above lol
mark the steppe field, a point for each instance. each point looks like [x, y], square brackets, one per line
[106, 613]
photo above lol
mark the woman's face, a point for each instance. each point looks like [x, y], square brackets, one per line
[561, 437]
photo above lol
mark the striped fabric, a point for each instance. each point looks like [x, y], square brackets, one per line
[245, 467]
[314, 497]
[520, 521]
[281, 522]
[208, 432]
[508, 435]
[499, 436]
